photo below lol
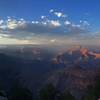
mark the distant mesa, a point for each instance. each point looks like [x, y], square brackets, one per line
[76, 53]
[96, 55]
[84, 52]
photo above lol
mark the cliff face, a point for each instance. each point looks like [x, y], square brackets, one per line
[75, 79]
[80, 56]
[81, 68]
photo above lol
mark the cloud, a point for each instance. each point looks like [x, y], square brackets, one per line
[56, 27]
[42, 17]
[35, 22]
[22, 29]
[4, 36]
[53, 40]
[82, 27]
[67, 22]
[55, 23]
[12, 24]
[45, 26]
[58, 14]
[84, 22]
[1, 21]
[51, 10]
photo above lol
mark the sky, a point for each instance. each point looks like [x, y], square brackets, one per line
[50, 22]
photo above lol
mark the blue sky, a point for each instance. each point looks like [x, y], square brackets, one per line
[49, 21]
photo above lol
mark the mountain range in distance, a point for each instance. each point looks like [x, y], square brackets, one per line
[73, 68]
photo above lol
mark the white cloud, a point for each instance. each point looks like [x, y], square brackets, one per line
[3, 27]
[76, 25]
[22, 19]
[53, 40]
[51, 10]
[67, 22]
[44, 23]
[20, 28]
[80, 28]
[42, 17]
[12, 24]
[1, 21]
[55, 23]
[9, 19]
[35, 22]
[59, 14]
[86, 23]
[4, 35]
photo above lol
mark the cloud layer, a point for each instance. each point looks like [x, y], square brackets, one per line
[44, 27]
